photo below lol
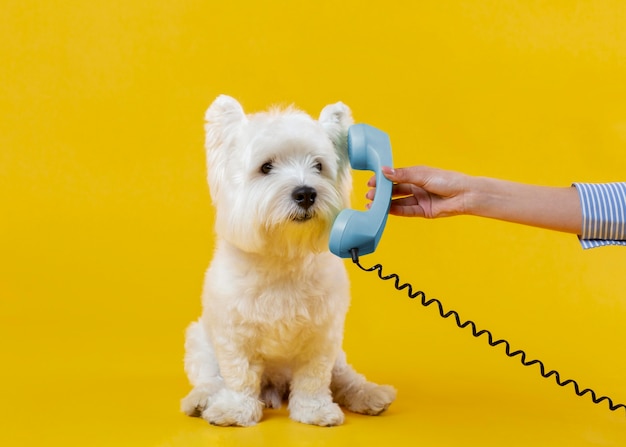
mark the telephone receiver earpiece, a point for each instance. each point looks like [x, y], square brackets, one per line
[369, 149]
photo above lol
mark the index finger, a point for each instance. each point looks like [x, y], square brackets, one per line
[372, 181]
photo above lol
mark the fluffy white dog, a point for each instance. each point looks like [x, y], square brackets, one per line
[275, 298]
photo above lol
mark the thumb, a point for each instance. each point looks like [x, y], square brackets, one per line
[389, 172]
[416, 175]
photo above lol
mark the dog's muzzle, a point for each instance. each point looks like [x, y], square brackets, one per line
[304, 197]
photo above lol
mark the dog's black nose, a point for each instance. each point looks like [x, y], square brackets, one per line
[304, 196]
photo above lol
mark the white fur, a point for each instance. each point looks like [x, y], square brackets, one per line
[274, 298]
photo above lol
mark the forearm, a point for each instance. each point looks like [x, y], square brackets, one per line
[540, 206]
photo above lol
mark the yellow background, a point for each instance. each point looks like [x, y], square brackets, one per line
[106, 224]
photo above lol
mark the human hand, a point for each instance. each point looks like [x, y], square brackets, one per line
[421, 191]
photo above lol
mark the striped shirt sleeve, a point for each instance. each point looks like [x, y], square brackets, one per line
[604, 213]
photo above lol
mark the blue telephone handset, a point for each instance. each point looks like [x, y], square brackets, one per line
[369, 149]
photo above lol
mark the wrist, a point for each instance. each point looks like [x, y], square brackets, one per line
[478, 196]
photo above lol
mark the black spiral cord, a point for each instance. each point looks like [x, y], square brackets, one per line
[378, 268]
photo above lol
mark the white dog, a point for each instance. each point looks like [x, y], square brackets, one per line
[275, 298]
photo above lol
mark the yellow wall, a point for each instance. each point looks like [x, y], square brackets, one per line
[105, 219]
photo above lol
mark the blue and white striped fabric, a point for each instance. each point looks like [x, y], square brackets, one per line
[604, 213]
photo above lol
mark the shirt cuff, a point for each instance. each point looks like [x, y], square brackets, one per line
[604, 213]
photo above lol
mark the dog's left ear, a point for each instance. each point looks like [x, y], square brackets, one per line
[336, 118]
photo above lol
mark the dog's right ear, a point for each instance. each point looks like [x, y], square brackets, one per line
[222, 117]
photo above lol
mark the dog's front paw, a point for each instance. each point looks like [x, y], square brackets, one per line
[231, 408]
[198, 398]
[194, 403]
[367, 398]
[315, 411]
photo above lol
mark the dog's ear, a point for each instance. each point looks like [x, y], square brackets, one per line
[223, 120]
[224, 114]
[336, 118]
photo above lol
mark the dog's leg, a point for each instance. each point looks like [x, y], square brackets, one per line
[310, 400]
[237, 403]
[352, 391]
[202, 371]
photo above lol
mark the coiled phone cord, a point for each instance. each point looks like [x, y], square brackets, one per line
[378, 268]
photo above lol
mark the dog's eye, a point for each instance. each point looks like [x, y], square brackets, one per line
[318, 166]
[266, 168]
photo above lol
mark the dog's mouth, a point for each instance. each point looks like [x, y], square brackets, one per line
[302, 217]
